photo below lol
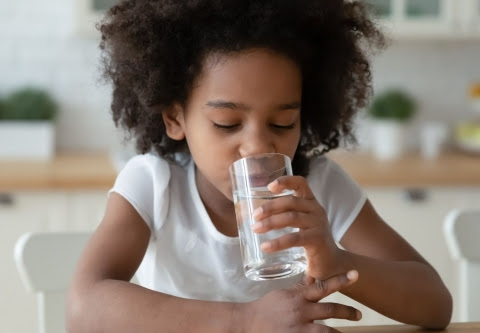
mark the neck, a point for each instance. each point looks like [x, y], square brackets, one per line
[219, 208]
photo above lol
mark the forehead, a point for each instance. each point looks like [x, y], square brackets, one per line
[251, 59]
[249, 73]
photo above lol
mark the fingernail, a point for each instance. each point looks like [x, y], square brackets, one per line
[265, 246]
[352, 275]
[256, 226]
[257, 213]
[272, 185]
[359, 315]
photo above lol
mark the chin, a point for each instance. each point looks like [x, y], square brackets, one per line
[228, 195]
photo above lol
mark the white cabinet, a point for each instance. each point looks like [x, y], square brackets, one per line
[85, 209]
[19, 214]
[420, 223]
[37, 211]
[412, 19]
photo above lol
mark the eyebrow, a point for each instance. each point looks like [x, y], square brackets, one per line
[222, 104]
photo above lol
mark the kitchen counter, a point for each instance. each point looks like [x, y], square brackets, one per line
[451, 168]
[96, 171]
[63, 172]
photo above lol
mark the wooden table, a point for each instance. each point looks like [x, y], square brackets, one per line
[452, 328]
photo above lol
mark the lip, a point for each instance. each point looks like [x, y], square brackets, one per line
[256, 170]
[259, 180]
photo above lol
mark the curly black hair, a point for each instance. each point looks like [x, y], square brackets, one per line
[153, 50]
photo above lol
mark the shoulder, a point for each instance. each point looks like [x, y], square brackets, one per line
[142, 176]
[144, 182]
[326, 175]
[153, 168]
[337, 192]
[323, 167]
[146, 162]
[152, 171]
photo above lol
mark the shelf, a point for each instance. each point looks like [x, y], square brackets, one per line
[452, 168]
[65, 171]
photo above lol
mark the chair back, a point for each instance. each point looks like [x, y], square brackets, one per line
[46, 262]
[462, 233]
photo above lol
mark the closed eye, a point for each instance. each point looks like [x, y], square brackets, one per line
[225, 127]
[275, 126]
[291, 126]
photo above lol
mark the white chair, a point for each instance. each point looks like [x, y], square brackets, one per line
[462, 233]
[45, 262]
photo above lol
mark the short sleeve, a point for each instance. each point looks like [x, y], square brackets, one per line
[143, 182]
[337, 192]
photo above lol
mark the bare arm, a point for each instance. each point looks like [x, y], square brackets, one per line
[394, 279]
[102, 300]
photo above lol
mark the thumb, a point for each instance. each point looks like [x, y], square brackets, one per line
[323, 288]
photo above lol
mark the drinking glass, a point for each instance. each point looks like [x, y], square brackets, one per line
[250, 177]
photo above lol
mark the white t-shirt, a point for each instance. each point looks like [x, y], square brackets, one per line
[186, 255]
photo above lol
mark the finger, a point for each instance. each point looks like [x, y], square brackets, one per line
[283, 220]
[308, 280]
[323, 311]
[281, 205]
[318, 328]
[323, 288]
[297, 183]
[293, 239]
[283, 242]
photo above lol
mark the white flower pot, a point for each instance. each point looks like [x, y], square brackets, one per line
[33, 140]
[388, 139]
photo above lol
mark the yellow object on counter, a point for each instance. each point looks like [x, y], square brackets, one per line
[475, 90]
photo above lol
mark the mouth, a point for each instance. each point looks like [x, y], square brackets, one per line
[259, 180]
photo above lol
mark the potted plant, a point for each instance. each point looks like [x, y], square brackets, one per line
[390, 111]
[27, 125]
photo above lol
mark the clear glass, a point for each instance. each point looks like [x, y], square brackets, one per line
[103, 5]
[381, 8]
[422, 8]
[250, 177]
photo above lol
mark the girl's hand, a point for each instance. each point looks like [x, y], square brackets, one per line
[295, 309]
[302, 211]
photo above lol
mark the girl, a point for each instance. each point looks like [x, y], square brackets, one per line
[201, 84]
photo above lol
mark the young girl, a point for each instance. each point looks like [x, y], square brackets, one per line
[200, 84]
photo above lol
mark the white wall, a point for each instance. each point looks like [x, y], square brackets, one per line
[436, 73]
[39, 46]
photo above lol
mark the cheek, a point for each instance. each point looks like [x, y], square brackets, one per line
[215, 166]
[292, 142]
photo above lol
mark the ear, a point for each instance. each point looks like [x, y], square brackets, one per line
[174, 122]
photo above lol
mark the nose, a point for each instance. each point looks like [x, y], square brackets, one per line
[256, 141]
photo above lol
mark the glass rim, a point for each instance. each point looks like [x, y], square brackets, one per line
[259, 156]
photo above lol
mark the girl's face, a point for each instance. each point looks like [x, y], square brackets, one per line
[242, 104]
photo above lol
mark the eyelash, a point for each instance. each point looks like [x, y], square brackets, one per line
[291, 126]
[231, 127]
[224, 127]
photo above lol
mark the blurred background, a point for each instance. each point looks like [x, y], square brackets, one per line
[419, 142]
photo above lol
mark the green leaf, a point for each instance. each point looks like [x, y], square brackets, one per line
[28, 104]
[393, 104]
